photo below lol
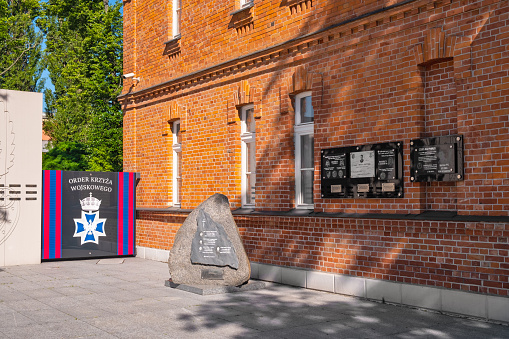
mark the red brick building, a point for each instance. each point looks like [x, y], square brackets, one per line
[241, 97]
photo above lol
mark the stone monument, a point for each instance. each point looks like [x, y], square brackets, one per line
[207, 249]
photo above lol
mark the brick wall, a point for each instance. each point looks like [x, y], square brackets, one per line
[420, 69]
[469, 256]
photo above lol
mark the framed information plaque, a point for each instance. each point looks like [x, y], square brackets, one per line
[437, 159]
[367, 171]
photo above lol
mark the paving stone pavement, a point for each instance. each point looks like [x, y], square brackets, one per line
[126, 298]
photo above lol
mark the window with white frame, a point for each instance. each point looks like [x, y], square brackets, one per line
[245, 3]
[304, 150]
[248, 151]
[177, 163]
[177, 4]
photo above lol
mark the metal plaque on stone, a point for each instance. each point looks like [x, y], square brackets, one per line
[437, 159]
[212, 273]
[366, 171]
[210, 245]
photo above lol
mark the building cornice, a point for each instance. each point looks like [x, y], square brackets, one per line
[272, 53]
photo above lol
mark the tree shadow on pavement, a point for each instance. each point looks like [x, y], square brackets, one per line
[286, 312]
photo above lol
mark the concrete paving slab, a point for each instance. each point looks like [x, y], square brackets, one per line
[106, 301]
[47, 316]
[41, 293]
[114, 261]
[14, 319]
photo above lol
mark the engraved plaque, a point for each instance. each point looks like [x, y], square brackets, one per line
[386, 164]
[211, 245]
[212, 273]
[427, 159]
[388, 187]
[363, 188]
[334, 166]
[359, 172]
[362, 164]
[437, 159]
[335, 188]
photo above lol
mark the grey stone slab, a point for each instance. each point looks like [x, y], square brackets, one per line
[421, 296]
[80, 311]
[349, 285]
[465, 303]
[383, 290]
[498, 308]
[67, 329]
[265, 321]
[8, 294]
[320, 281]
[315, 331]
[26, 305]
[42, 293]
[254, 270]
[14, 319]
[100, 288]
[293, 277]
[129, 326]
[24, 286]
[269, 273]
[47, 316]
[155, 292]
[122, 295]
[452, 331]
[251, 285]
[55, 302]
[71, 291]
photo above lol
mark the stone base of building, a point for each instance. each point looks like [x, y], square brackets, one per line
[155, 254]
[493, 308]
[483, 306]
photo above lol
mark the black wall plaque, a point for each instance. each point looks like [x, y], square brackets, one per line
[367, 171]
[437, 159]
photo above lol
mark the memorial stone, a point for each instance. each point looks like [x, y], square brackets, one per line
[207, 249]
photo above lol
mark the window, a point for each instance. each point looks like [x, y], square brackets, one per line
[245, 3]
[248, 139]
[177, 4]
[304, 150]
[177, 163]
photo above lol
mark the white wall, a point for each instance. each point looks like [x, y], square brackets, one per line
[20, 177]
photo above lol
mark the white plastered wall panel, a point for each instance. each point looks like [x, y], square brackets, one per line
[20, 177]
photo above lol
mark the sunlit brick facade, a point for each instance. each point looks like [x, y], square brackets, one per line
[375, 72]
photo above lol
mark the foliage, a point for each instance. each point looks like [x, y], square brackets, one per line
[65, 156]
[84, 60]
[20, 45]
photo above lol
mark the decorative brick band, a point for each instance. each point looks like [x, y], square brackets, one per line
[343, 30]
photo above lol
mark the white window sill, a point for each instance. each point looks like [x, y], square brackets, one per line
[245, 7]
[175, 38]
[305, 207]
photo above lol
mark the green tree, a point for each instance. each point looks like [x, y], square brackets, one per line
[20, 45]
[84, 59]
[66, 156]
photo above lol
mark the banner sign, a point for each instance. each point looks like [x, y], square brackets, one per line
[88, 214]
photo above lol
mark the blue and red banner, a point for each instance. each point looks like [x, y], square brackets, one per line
[88, 214]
